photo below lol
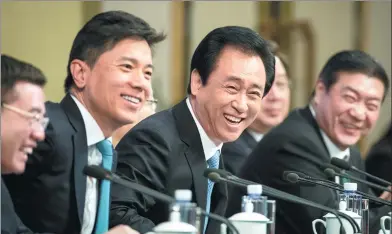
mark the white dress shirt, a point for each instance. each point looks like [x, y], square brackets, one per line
[257, 136]
[209, 146]
[94, 157]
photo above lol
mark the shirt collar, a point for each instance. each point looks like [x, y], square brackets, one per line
[94, 133]
[334, 150]
[257, 136]
[209, 146]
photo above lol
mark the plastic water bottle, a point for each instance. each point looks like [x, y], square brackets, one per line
[184, 208]
[254, 197]
[349, 200]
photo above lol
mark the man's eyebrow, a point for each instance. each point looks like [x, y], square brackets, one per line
[133, 60]
[237, 79]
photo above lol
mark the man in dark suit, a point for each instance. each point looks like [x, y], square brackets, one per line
[274, 109]
[345, 106]
[231, 70]
[109, 74]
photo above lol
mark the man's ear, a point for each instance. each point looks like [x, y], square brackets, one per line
[319, 91]
[80, 71]
[196, 82]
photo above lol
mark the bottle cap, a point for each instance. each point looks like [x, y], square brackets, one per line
[255, 189]
[183, 195]
[350, 186]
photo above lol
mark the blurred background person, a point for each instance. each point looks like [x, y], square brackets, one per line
[274, 109]
[379, 159]
[148, 109]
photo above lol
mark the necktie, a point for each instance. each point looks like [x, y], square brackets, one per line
[102, 224]
[342, 179]
[213, 162]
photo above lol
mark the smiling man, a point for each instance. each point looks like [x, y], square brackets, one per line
[345, 106]
[108, 80]
[231, 69]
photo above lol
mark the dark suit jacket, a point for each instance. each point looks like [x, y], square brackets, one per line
[237, 152]
[379, 160]
[295, 145]
[164, 152]
[50, 195]
[10, 221]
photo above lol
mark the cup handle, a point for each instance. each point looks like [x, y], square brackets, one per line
[318, 221]
[382, 223]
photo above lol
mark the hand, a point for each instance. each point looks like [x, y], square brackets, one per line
[122, 229]
[387, 195]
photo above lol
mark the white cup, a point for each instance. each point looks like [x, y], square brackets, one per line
[382, 224]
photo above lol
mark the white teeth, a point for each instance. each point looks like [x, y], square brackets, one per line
[233, 119]
[132, 99]
[28, 150]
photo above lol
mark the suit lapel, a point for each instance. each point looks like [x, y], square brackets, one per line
[307, 114]
[80, 151]
[249, 140]
[194, 154]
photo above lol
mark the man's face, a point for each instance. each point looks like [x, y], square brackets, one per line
[275, 105]
[116, 88]
[350, 108]
[230, 100]
[20, 133]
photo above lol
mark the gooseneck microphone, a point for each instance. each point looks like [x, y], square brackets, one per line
[305, 179]
[346, 166]
[331, 174]
[294, 178]
[223, 176]
[103, 174]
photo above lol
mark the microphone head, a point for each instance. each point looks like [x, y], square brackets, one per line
[300, 174]
[292, 178]
[329, 172]
[215, 177]
[97, 172]
[340, 163]
[221, 173]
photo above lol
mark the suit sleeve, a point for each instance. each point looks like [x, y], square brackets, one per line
[143, 159]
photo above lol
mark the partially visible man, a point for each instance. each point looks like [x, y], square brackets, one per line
[274, 108]
[231, 69]
[109, 72]
[22, 125]
[346, 104]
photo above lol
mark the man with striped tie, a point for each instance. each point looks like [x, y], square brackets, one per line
[108, 80]
[231, 70]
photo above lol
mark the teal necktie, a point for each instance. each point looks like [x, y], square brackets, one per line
[102, 224]
[213, 162]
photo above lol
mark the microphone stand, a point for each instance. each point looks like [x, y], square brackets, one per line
[365, 195]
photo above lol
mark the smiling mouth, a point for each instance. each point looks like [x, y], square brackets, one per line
[233, 119]
[131, 99]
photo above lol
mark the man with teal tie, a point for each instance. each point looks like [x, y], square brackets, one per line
[108, 80]
[231, 70]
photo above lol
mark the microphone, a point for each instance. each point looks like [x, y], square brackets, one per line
[217, 177]
[103, 174]
[310, 180]
[346, 166]
[331, 174]
[294, 178]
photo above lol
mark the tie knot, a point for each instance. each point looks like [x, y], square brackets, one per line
[213, 162]
[105, 147]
